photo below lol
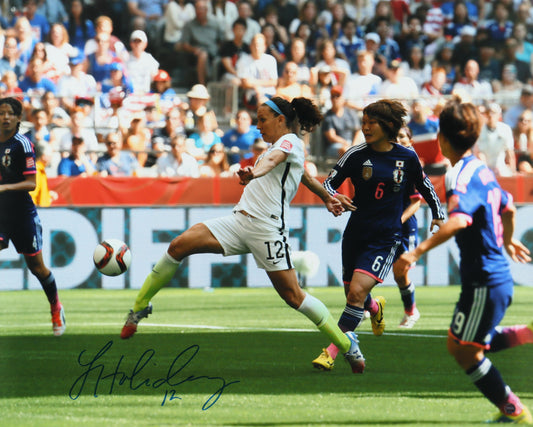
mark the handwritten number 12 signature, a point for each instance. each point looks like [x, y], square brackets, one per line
[137, 379]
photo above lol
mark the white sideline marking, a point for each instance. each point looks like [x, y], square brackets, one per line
[219, 328]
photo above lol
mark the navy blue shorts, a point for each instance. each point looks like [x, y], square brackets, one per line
[477, 313]
[26, 233]
[374, 258]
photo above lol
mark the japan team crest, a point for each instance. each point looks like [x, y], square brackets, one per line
[6, 160]
[367, 170]
[398, 175]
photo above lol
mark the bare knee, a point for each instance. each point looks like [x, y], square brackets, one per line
[466, 355]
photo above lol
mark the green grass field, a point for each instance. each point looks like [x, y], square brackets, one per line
[236, 357]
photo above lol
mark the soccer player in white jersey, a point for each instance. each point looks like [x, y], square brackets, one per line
[481, 217]
[258, 222]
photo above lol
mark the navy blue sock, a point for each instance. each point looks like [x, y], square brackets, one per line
[489, 381]
[50, 289]
[408, 297]
[350, 317]
[368, 301]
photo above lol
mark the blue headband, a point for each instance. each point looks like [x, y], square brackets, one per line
[273, 105]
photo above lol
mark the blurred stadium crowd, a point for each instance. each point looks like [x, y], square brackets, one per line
[170, 88]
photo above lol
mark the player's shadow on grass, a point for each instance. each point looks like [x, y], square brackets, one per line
[80, 366]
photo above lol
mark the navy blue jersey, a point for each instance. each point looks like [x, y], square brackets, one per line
[382, 181]
[17, 160]
[473, 193]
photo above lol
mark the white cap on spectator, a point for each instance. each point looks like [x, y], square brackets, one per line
[198, 91]
[139, 35]
[468, 30]
[374, 37]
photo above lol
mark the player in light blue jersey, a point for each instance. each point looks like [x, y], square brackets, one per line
[383, 174]
[481, 217]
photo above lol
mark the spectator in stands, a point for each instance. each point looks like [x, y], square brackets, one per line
[115, 162]
[297, 54]
[322, 89]
[523, 69]
[76, 83]
[436, 86]
[138, 138]
[42, 196]
[141, 66]
[39, 23]
[396, 85]
[216, 162]
[178, 162]
[525, 103]
[198, 106]
[201, 38]
[490, 67]
[363, 84]
[388, 47]
[341, 127]
[288, 86]
[174, 125]
[348, 44]
[415, 66]
[78, 130]
[117, 79]
[53, 10]
[77, 163]
[80, 28]
[495, 145]
[202, 140]
[26, 39]
[162, 85]
[422, 121]
[469, 85]
[508, 89]
[114, 118]
[443, 59]
[258, 73]
[256, 150]
[98, 64]
[382, 9]
[239, 139]
[523, 136]
[458, 21]
[465, 48]
[58, 48]
[524, 16]
[327, 55]
[148, 15]
[10, 60]
[245, 11]
[500, 27]
[49, 68]
[39, 134]
[271, 17]
[177, 14]
[57, 116]
[225, 12]
[9, 86]
[524, 49]
[231, 51]
[274, 45]
[35, 84]
[412, 35]
[104, 26]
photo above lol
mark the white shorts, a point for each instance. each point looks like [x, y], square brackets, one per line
[239, 234]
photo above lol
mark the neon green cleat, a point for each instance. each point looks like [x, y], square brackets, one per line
[523, 417]
[378, 322]
[324, 362]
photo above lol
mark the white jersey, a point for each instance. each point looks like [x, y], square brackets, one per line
[268, 197]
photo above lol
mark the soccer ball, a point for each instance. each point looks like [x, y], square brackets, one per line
[112, 257]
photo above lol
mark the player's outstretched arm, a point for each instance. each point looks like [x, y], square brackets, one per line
[263, 166]
[27, 185]
[332, 204]
[514, 247]
[445, 232]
